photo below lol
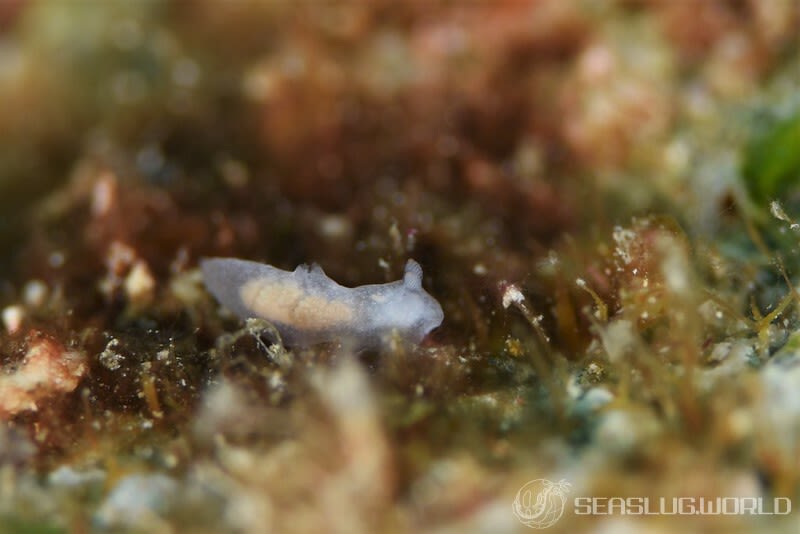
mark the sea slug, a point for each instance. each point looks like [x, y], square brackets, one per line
[308, 308]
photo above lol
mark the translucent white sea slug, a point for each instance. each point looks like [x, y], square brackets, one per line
[307, 307]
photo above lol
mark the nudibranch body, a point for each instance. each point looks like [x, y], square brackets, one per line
[307, 307]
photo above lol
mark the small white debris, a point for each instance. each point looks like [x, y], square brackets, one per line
[119, 259]
[187, 287]
[776, 210]
[35, 293]
[512, 295]
[719, 352]
[480, 269]
[335, 227]
[573, 387]
[104, 195]
[624, 238]
[111, 359]
[12, 318]
[675, 266]
[139, 284]
[549, 265]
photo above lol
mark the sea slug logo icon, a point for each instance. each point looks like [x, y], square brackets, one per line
[540, 503]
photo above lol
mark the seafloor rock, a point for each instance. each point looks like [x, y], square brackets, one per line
[46, 371]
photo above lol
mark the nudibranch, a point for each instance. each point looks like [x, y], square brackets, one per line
[307, 307]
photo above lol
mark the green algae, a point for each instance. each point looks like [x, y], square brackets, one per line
[771, 167]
